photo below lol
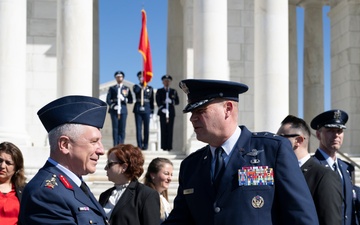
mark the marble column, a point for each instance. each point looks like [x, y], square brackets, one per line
[293, 60]
[75, 47]
[13, 71]
[345, 69]
[210, 39]
[313, 59]
[271, 73]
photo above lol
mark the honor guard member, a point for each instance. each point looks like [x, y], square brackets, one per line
[240, 177]
[57, 194]
[166, 99]
[324, 184]
[143, 108]
[330, 126]
[117, 98]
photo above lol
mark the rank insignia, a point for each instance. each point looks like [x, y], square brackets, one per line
[257, 202]
[52, 182]
[65, 182]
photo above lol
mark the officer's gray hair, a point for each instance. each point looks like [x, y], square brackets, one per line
[71, 130]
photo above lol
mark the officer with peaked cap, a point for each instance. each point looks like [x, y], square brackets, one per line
[217, 185]
[329, 128]
[117, 98]
[166, 99]
[57, 194]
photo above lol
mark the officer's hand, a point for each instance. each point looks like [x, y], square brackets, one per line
[116, 107]
[168, 100]
[121, 97]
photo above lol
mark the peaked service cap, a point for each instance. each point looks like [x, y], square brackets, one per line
[202, 91]
[75, 109]
[335, 118]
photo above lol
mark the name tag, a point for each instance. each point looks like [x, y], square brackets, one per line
[84, 208]
[255, 175]
[188, 191]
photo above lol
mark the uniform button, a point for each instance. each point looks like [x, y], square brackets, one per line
[217, 209]
[345, 216]
[90, 221]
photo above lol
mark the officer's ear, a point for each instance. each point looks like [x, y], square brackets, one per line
[64, 144]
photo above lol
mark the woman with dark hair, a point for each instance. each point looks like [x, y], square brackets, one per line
[129, 202]
[158, 177]
[12, 182]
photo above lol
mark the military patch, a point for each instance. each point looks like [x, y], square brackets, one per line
[257, 202]
[51, 183]
[65, 182]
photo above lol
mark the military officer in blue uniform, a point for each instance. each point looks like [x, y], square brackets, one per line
[57, 194]
[166, 99]
[143, 108]
[330, 126]
[240, 177]
[117, 98]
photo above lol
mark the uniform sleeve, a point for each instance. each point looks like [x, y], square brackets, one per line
[292, 193]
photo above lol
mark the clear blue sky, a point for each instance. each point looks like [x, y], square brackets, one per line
[120, 25]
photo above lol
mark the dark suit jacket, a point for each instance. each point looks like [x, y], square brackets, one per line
[348, 217]
[112, 101]
[49, 200]
[287, 201]
[138, 205]
[326, 189]
[160, 101]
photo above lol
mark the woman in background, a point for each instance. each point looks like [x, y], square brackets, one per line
[12, 182]
[129, 202]
[158, 177]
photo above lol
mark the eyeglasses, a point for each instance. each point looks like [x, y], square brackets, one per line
[110, 164]
[289, 135]
[7, 162]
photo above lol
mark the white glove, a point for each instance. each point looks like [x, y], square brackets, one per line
[168, 100]
[122, 98]
[116, 107]
[165, 111]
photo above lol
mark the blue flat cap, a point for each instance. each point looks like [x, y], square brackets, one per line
[335, 118]
[119, 73]
[73, 109]
[202, 91]
[166, 77]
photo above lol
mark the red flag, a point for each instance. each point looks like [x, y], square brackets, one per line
[144, 49]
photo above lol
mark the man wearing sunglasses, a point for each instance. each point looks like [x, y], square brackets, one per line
[324, 184]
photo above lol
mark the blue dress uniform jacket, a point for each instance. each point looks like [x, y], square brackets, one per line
[138, 205]
[348, 198]
[166, 124]
[287, 201]
[53, 198]
[142, 114]
[118, 125]
[326, 188]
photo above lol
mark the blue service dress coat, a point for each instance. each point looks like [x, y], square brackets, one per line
[118, 124]
[166, 124]
[348, 198]
[142, 114]
[138, 205]
[286, 201]
[326, 188]
[51, 197]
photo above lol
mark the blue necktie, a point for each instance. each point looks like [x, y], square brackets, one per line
[219, 166]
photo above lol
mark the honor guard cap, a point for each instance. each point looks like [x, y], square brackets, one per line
[119, 73]
[202, 91]
[332, 119]
[166, 77]
[73, 109]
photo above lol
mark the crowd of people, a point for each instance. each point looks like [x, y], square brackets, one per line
[238, 177]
